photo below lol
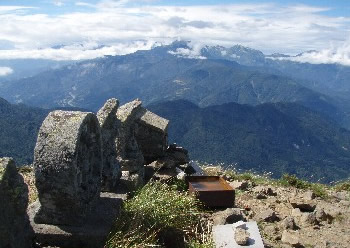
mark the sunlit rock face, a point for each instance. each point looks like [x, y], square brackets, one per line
[68, 163]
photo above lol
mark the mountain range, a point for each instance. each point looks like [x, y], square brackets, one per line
[272, 137]
[233, 105]
[327, 78]
[160, 75]
[19, 126]
[22, 68]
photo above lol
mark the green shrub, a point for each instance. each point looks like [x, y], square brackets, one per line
[291, 180]
[153, 212]
[246, 176]
[319, 190]
[343, 186]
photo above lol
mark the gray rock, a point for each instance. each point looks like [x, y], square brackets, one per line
[260, 196]
[264, 190]
[308, 219]
[92, 234]
[272, 231]
[321, 215]
[296, 212]
[109, 123]
[267, 215]
[133, 180]
[288, 223]
[228, 216]
[130, 111]
[239, 185]
[303, 205]
[68, 164]
[309, 195]
[180, 157]
[194, 169]
[164, 174]
[15, 230]
[291, 238]
[164, 162]
[345, 203]
[128, 152]
[241, 236]
[180, 174]
[152, 135]
[223, 235]
[341, 195]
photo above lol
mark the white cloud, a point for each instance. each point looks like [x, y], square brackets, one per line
[58, 3]
[4, 71]
[193, 52]
[123, 27]
[77, 52]
[85, 4]
[4, 9]
[339, 55]
[333, 55]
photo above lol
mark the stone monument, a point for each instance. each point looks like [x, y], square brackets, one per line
[68, 164]
[129, 154]
[15, 231]
[107, 117]
[152, 135]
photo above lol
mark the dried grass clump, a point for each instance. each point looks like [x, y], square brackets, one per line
[158, 214]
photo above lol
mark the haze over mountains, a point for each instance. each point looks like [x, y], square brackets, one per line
[19, 126]
[332, 79]
[172, 75]
[20, 68]
[298, 125]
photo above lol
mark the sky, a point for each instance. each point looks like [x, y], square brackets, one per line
[74, 30]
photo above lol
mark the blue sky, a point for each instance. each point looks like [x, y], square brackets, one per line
[29, 29]
[336, 7]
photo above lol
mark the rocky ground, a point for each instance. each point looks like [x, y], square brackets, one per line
[286, 216]
[291, 217]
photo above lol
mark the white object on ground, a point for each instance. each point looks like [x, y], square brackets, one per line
[224, 235]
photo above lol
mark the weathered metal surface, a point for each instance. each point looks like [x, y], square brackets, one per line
[213, 191]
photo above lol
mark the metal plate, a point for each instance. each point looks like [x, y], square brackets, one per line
[213, 191]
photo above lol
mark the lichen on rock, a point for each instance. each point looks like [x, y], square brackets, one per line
[68, 163]
[107, 117]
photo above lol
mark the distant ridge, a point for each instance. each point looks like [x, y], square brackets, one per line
[279, 138]
[159, 75]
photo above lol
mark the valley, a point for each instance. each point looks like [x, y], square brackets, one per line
[234, 105]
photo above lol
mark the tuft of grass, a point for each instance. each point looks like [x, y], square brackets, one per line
[343, 186]
[196, 244]
[292, 180]
[177, 184]
[156, 212]
[245, 176]
[231, 174]
[286, 180]
[320, 190]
